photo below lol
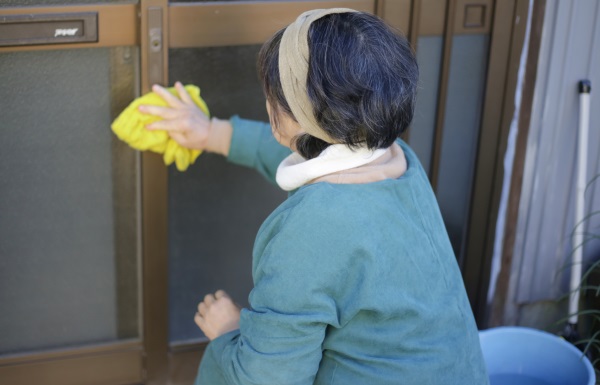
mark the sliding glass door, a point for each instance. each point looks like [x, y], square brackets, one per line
[105, 252]
[70, 251]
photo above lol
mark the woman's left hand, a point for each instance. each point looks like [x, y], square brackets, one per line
[217, 315]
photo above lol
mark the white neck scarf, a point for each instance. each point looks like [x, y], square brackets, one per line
[295, 171]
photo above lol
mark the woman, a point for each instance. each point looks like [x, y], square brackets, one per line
[355, 279]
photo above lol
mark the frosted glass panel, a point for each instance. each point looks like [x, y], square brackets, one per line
[68, 236]
[464, 100]
[215, 208]
[429, 57]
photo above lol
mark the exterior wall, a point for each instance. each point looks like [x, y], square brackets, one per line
[569, 52]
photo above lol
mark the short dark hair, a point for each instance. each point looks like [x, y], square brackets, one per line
[362, 81]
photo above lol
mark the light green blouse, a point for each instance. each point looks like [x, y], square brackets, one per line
[354, 284]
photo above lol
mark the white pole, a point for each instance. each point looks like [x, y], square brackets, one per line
[576, 265]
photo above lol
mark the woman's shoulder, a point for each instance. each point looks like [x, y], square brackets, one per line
[322, 212]
[307, 207]
[326, 202]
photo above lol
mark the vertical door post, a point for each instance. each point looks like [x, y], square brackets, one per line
[154, 60]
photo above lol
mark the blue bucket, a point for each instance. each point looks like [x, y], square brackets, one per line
[524, 356]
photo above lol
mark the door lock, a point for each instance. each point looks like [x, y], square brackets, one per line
[155, 39]
[155, 45]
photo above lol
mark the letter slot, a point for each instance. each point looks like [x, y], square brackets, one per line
[41, 29]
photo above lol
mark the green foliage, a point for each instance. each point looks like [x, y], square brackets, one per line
[588, 338]
[589, 313]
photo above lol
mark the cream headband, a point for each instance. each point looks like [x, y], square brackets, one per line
[293, 69]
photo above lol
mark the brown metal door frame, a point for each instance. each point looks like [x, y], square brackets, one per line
[114, 363]
[217, 25]
[154, 35]
[228, 24]
[225, 24]
[506, 39]
[150, 359]
[117, 26]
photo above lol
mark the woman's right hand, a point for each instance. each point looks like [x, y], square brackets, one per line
[182, 119]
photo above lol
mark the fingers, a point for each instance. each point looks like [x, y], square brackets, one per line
[202, 308]
[199, 320]
[183, 94]
[168, 97]
[163, 112]
[171, 100]
[167, 125]
[217, 315]
[209, 299]
[169, 117]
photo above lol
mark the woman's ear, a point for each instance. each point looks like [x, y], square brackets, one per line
[283, 126]
[268, 105]
[273, 119]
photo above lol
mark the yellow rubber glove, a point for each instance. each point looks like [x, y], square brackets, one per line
[129, 127]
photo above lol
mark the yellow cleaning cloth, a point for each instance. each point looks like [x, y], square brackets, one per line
[129, 127]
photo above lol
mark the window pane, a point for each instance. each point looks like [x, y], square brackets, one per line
[429, 57]
[215, 208]
[68, 200]
[466, 85]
